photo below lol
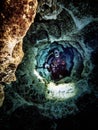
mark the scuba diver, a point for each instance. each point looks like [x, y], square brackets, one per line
[56, 65]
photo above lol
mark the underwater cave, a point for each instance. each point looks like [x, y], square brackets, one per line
[56, 85]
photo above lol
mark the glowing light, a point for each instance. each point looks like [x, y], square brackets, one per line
[38, 76]
[61, 91]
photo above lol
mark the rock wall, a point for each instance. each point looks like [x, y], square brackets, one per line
[74, 33]
[15, 19]
[1, 95]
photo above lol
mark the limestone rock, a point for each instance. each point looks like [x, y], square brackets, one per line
[1, 95]
[48, 9]
[15, 19]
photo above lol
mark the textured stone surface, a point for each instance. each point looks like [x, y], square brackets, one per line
[70, 29]
[49, 9]
[1, 95]
[15, 19]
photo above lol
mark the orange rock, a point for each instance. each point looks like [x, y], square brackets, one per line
[16, 17]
